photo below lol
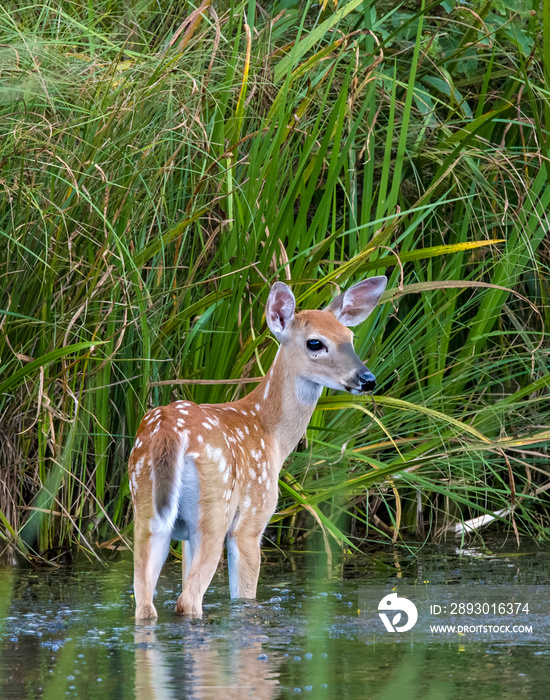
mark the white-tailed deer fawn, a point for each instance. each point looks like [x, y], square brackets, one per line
[201, 473]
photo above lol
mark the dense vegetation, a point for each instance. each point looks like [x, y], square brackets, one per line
[162, 163]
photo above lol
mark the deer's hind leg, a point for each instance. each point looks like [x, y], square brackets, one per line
[206, 553]
[244, 556]
[150, 552]
[186, 559]
[202, 551]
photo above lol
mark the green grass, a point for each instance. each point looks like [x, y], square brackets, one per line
[158, 174]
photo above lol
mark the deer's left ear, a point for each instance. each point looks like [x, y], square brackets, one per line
[354, 305]
[279, 311]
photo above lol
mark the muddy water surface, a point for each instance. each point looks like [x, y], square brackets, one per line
[70, 632]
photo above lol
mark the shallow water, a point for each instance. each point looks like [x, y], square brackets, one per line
[70, 633]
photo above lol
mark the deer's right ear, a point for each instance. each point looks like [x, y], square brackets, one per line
[279, 311]
[356, 303]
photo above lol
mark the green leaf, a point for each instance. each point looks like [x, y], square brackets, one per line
[310, 40]
[53, 356]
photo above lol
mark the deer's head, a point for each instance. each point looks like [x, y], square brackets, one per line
[319, 344]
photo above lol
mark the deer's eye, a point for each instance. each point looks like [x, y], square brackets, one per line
[314, 345]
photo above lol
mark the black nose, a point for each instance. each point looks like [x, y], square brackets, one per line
[367, 381]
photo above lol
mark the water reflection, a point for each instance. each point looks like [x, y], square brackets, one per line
[153, 677]
[206, 668]
[71, 633]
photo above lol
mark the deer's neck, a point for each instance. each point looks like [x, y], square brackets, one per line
[284, 403]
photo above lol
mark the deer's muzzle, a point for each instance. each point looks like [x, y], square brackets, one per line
[367, 381]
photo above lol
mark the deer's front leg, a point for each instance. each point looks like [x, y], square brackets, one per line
[150, 552]
[243, 542]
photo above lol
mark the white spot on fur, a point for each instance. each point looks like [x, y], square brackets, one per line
[207, 426]
[200, 439]
[266, 392]
[262, 443]
[180, 422]
[247, 429]
[257, 406]
[246, 503]
[214, 453]
[138, 442]
[259, 479]
[157, 428]
[240, 433]
[252, 473]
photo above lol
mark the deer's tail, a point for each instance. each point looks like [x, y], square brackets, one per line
[167, 457]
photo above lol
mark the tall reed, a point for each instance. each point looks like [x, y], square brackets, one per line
[163, 163]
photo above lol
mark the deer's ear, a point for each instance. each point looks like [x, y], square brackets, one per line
[354, 305]
[279, 311]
